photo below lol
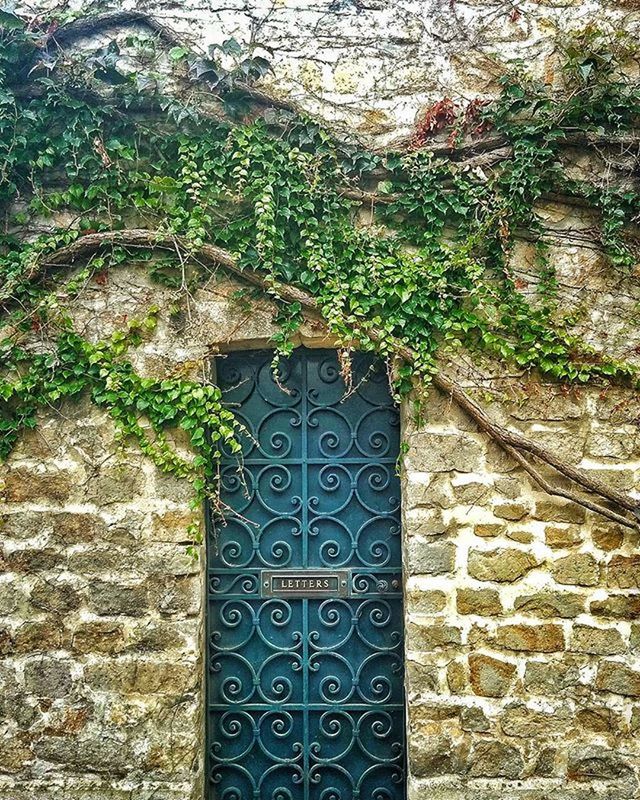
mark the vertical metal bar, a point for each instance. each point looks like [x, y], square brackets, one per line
[304, 521]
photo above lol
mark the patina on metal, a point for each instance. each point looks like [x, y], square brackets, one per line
[305, 644]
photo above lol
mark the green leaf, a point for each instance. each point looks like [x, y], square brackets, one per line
[9, 20]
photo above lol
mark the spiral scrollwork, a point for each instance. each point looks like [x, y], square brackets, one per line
[305, 694]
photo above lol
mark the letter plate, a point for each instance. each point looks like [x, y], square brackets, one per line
[305, 583]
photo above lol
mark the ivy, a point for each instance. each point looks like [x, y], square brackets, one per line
[429, 269]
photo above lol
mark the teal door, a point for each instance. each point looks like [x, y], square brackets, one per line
[304, 628]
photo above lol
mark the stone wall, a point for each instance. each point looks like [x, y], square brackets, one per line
[523, 638]
[370, 66]
[101, 607]
[523, 612]
[523, 631]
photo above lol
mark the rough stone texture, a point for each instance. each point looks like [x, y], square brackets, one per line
[503, 566]
[597, 641]
[541, 638]
[522, 639]
[490, 677]
[577, 570]
[618, 678]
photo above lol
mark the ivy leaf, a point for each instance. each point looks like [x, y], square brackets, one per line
[256, 67]
[111, 75]
[177, 53]
[204, 68]
[9, 20]
[231, 47]
[586, 69]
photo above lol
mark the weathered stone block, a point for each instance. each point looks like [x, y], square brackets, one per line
[30, 560]
[99, 559]
[142, 677]
[607, 536]
[623, 572]
[596, 641]
[7, 644]
[494, 759]
[425, 523]
[63, 527]
[490, 677]
[599, 719]
[432, 637]
[618, 678]
[103, 754]
[551, 678]
[614, 443]
[176, 595]
[511, 511]
[484, 602]
[13, 594]
[519, 720]
[429, 491]
[426, 602]
[57, 596]
[14, 756]
[171, 526]
[562, 537]
[169, 487]
[445, 452]
[618, 606]
[546, 763]
[544, 638]
[456, 677]
[70, 528]
[432, 756]
[472, 493]
[154, 637]
[98, 637]
[592, 762]
[422, 677]
[115, 483]
[522, 536]
[503, 565]
[431, 559]
[550, 604]
[474, 719]
[556, 511]
[114, 599]
[26, 484]
[34, 637]
[579, 569]
[489, 530]
[48, 677]
[509, 487]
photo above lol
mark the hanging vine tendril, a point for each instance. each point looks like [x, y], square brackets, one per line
[275, 202]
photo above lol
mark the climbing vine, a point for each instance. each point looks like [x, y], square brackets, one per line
[260, 188]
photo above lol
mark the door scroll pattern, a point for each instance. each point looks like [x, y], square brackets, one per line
[305, 695]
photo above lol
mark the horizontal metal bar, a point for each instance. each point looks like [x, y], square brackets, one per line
[257, 570]
[322, 462]
[303, 707]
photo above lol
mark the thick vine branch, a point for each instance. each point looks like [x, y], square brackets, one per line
[515, 444]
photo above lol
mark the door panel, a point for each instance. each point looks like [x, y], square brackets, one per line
[305, 643]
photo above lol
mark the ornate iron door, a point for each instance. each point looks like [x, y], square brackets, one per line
[305, 644]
